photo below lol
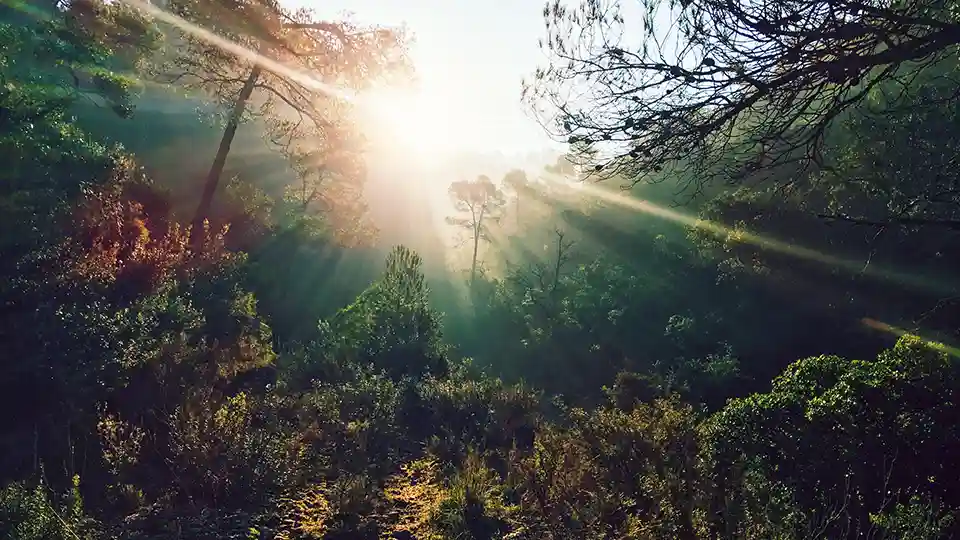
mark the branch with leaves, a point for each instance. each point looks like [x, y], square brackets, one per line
[338, 56]
[722, 89]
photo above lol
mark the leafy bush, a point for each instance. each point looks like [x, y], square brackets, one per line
[33, 513]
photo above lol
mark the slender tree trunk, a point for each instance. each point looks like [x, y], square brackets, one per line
[477, 229]
[216, 170]
[473, 268]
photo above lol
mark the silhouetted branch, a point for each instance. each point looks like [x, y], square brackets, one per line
[726, 87]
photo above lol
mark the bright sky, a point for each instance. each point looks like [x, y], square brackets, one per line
[471, 57]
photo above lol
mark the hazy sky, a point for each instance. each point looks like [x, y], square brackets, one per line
[471, 56]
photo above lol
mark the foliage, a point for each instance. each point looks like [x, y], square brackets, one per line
[391, 324]
[470, 506]
[135, 351]
[757, 83]
[866, 428]
[307, 514]
[33, 513]
[291, 74]
[420, 491]
[230, 452]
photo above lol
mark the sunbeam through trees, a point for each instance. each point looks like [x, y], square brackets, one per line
[276, 270]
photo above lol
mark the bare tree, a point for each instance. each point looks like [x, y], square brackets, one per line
[541, 279]
[711, 79]
[300, 112]
[548, 276]
[478, 202]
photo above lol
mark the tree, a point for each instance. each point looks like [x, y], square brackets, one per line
[70, 54]
[293, 77]
[341, 167]
[482, 200]
[391, 324]
[852, 438]
[541, 279]
[329, 194]
[891, 167]
[730, 88]
[517, 181]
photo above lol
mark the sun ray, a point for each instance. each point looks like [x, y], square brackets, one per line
[911, 281]
[297, 75]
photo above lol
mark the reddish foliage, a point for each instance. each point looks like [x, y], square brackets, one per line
[120, 242]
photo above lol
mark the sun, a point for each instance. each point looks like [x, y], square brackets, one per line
[407, 122]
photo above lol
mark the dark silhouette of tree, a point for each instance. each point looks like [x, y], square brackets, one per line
[726, 88]
[478, 202]
[545, 276]
[301, 106]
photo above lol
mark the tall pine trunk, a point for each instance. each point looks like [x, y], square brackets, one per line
[473, 268]
[216, 170]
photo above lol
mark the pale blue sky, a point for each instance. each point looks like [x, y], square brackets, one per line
[471, 57]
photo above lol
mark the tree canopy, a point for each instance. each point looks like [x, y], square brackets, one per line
[293, 71]
[725, 89]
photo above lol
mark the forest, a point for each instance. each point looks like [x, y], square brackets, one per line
[726, 310]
